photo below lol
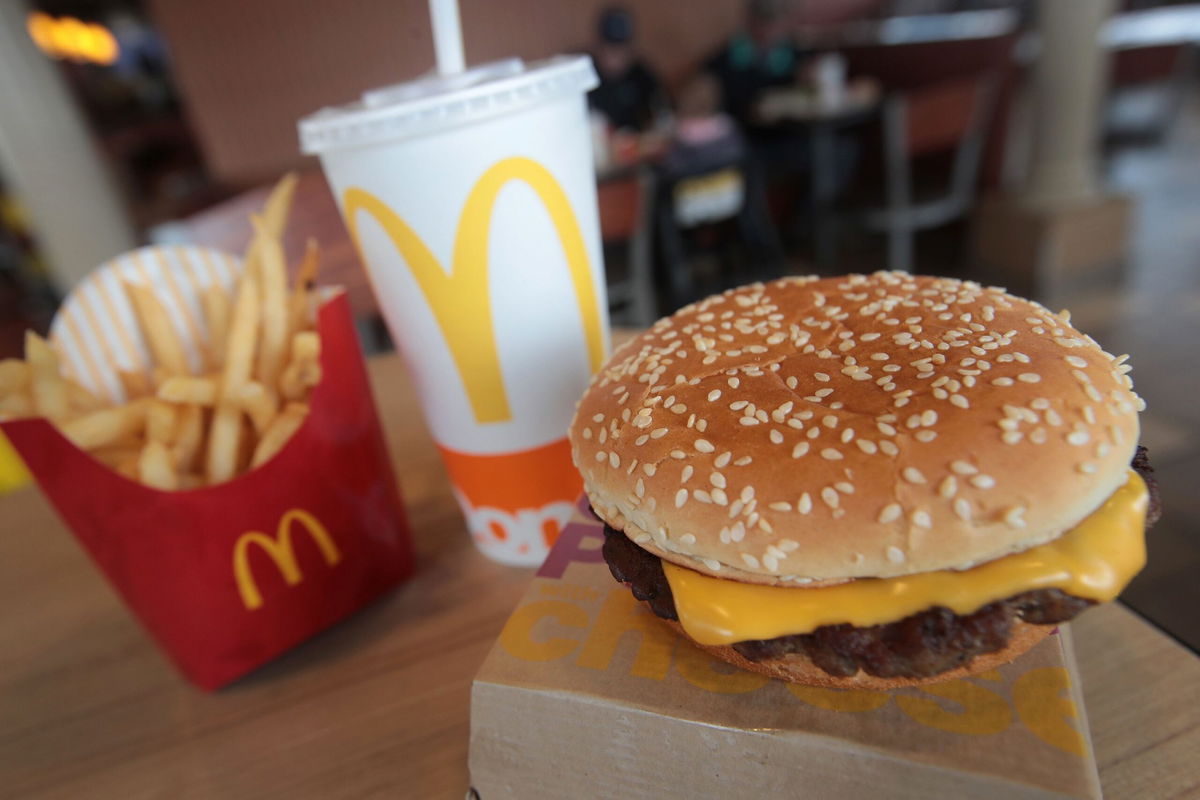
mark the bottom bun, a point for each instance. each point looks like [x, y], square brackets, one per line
[797, 668]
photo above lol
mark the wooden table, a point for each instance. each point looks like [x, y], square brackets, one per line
[379, 705]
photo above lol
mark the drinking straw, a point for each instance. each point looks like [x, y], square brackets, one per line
[447, 36]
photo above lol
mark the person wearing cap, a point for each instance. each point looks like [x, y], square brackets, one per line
[630, 95]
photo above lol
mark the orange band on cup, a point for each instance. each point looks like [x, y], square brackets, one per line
[517, 480]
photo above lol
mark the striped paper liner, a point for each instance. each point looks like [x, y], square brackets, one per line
[97, 333]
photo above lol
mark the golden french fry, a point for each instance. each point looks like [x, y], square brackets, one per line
[189, 389]
[215, 302]
[136, 383]
[80, 398]
[272, 283]
[259, 404]
[155, 467]
[190, 480]
[106, 426]
[46, 385]
[162, 419]
[160, 335]
[279, 204]
[189, 436]
[285, 425]
[114, 454]
[17, 404]
[298, 378]
[129, 466]
[14, 375]
[300, 302]
[306, 346]
[224, 441]
[239, 348]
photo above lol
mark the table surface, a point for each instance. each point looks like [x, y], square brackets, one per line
[379, 704]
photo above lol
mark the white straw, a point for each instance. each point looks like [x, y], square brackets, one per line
[447, 36]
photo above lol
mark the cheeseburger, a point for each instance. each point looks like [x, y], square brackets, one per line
[866, 481]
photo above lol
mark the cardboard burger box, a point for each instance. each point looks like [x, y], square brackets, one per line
[587, 694]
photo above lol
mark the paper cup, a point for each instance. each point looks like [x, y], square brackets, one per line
[473, 206]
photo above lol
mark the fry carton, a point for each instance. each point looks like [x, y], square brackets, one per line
[229, 576]
[587, 694]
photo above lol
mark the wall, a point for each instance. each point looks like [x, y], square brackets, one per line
[249, 70]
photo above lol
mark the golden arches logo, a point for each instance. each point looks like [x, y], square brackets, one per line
[460, 299]
[281, 551]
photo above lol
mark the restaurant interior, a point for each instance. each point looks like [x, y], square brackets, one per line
[1050, 148]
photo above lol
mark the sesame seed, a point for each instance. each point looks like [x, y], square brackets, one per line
[1078, 438]
[830, 496]
[776, 437]
[889, 448]
[960, 401]
[895, 555]
[982, 481]
[921, 518]
[743, 461]
[747, 421]
[702, 495]
[913, 475]
[925, 436]
[1087, 467]
[704, 446]
[800, 449]
[866, 445]
[734, 383]
[1013, 517]
[847, 435]
[747, 494]
[780, 506]
[788, 545]
[885, 429]
[1002, 381]
[681, 497]
[1029, 377]
[1012, 437]
[614, 460]
[890, 513]
[1075, 361]
[718, 480]
[601, 455]
[687, 473]
[678, 454]
[679, 408]
[804, 504]
[963, 509]
[597, 418]
[928, 417]
[830, 454]
[649, 469]
[963, 468]
[712, 564]
[719, 497]
[714, 395]
[750, 560]
[687, 538]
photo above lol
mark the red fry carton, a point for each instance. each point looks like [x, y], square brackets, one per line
[227, 577]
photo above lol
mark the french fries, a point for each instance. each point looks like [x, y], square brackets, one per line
[178, 430]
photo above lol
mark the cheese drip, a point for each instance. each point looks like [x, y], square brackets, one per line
[1095, 560]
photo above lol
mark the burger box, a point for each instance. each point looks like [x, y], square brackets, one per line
[587, 694]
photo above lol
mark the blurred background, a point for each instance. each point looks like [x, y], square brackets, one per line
[1049, 147]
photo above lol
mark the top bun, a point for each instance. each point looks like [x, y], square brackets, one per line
[879, 425]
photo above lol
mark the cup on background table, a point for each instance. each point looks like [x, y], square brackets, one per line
[472, 201]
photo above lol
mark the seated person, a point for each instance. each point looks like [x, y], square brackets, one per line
[705, 137]
[629, 94]
[763, 56]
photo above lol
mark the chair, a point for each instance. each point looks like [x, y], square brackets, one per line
[951, 116]
[694, 206]
[626, 224]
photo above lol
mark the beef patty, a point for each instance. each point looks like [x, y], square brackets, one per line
[927, 643]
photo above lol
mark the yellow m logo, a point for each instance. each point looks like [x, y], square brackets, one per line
[459, 299]
[280, 551]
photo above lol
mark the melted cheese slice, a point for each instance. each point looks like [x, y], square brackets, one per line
[1095, 560]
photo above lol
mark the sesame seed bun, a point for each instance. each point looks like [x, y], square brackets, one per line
[797, 668]
[809, 431]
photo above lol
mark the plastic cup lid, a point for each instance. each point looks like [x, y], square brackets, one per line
[435, 103]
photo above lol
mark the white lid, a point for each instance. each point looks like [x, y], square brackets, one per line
[434, 102]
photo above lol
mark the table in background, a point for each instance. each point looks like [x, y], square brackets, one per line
[378, 706]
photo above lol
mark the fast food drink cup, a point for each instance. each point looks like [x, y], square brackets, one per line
[471, 198]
